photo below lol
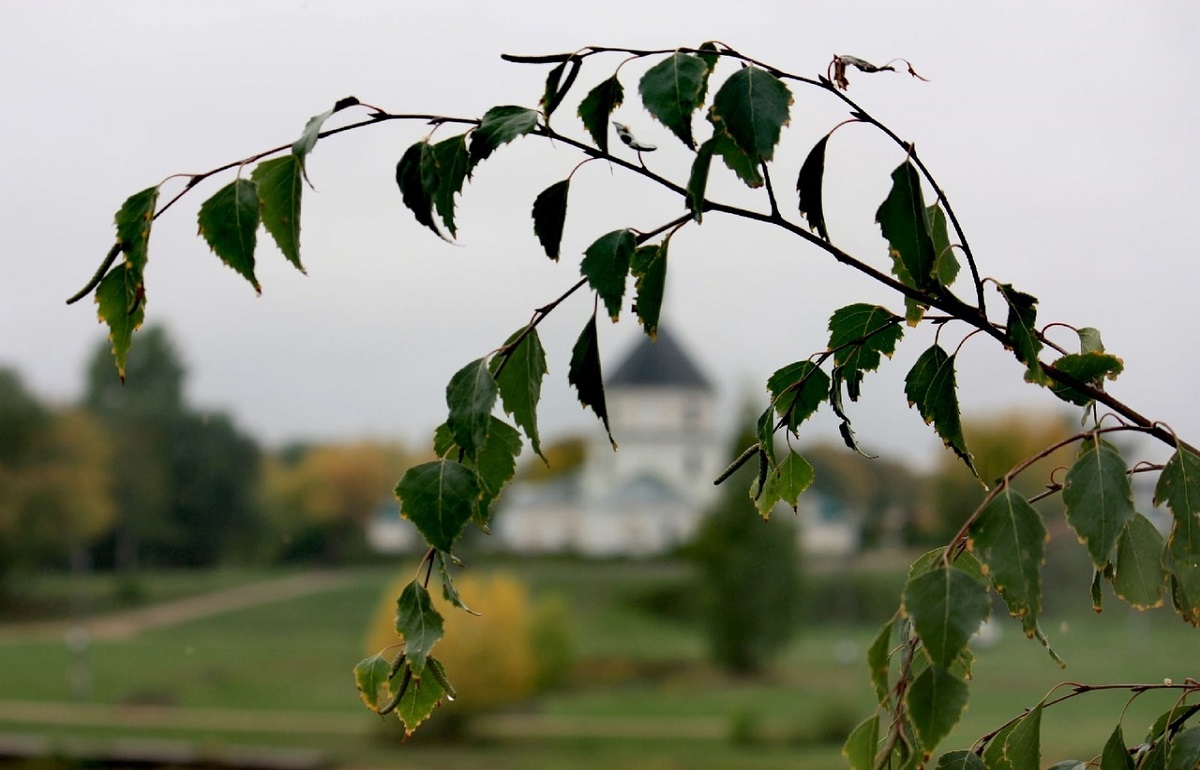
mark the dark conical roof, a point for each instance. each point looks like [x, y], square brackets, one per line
[658, 363]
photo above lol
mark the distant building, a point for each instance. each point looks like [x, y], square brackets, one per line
[649, 496]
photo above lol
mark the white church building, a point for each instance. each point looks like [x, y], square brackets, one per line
[649, 495]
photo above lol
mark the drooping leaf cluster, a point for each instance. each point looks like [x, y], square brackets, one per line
[719, 104]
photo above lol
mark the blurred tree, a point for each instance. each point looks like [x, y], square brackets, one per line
[214, 473]
[320, 499]
[750, 575]
[55, 490]
[562, 458]
[184, 481]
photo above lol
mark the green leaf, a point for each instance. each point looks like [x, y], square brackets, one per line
[945, 264]
[134, 220]
[835, 401]
[1115, 755]
[710, 54]
[549, 216]
[649, 268]
[520, 383]
[500, 125]
[1185, 750]
[1021, 332]
[1089, 340]
[312, 131]
[419, 624]
[1179, 485]
[753, 107]
[698, 179]
[797, 390]
[228, 221]
[946, 606]
[785, 483]
[993, 753]
[673, 89]
[584, 373]
[120, 302]
[1023, 744]
[1182, 560]
[1097, 590]
[371, 676]
[736, 160]
[597, 106]
[412, 184]
[930, 386]
[765, 431]
[606, 266]
[879, 660]
[1089, 368]
[1009, 538]
[554, 94]
[1098, 498]
[902, 219]
[449, 591]
[859, 334]
[419, 701]
[936, 700]
[471, 395]
[444, 168]
[498, 458]
[809, 186]
[1156, 758]
[439, 497]
[960, 760]
[859, 748]
[279, 190]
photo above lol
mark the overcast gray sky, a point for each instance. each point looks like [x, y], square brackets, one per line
[1062, 132]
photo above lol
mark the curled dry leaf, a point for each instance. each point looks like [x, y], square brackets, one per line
[837, 69]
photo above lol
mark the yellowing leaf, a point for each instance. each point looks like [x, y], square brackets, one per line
[1099, 499]
[122, 305]
[371, 677]
[1009, 538]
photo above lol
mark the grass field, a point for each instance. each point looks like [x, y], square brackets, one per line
[278, 675]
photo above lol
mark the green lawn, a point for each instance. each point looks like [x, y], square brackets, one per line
[295, 656]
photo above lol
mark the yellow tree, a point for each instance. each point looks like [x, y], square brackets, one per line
[321, 501]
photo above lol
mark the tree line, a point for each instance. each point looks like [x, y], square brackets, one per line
[134, 476]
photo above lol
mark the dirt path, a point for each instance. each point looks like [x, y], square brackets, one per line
[129, 623]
